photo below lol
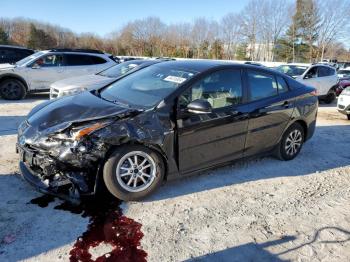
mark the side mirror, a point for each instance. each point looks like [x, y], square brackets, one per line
[199, 106]
[35, 66]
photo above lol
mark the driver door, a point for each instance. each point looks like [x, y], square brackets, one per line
[208, 139]
[311, 78]
[45, 70]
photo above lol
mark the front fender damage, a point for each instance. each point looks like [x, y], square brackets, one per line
[72, 167]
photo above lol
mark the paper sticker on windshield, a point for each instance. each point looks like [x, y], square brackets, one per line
[175, 79]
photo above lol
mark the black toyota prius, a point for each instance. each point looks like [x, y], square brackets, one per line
[162, 122]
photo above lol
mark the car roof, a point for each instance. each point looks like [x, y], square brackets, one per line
[204, 65]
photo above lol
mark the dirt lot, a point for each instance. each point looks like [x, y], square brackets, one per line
[256, 210]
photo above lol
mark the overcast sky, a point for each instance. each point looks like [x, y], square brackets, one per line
[104, 16]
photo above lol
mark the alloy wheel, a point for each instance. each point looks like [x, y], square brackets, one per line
[293, 142]
[136, 171]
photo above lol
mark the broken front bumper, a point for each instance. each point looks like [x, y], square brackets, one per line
[34, 169]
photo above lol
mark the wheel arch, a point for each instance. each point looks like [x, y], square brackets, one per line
[152, 147]
[16, 77]
[300, 121]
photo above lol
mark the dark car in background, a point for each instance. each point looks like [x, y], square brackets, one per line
[11, 54]
[164, 121]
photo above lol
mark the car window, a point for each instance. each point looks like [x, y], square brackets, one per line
[78, 60]
[50, 60]
[147, 87]
[119, 69]
[222, 88]
[96, 60]
[324, 71]
[291, 70]
[261, 85]
[312, 73]
[282, 84]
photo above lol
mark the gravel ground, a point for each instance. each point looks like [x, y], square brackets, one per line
[255, 210]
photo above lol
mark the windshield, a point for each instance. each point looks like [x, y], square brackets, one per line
[29, 58]
[291, 70]
[120, 69]
[147, 87]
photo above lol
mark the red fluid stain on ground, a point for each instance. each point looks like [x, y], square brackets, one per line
[107, 225]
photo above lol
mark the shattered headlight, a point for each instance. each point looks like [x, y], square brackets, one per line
[73, 91]
[79, 132]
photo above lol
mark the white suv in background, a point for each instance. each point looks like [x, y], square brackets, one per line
[36, 72]
[320, 76]
[344, 102]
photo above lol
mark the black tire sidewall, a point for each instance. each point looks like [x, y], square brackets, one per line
[283, 154]
[348, 116]
[22, 93]
[112, 183]
[330, 97]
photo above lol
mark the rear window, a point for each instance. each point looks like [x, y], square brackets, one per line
[96, 60]
[78, 60]
[282, 85]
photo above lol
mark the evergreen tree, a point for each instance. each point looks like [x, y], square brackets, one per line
[39, 39]
[4, 39]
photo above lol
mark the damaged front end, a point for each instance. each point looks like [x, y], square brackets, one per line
[65, 162]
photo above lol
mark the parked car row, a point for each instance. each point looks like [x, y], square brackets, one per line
[75, 85]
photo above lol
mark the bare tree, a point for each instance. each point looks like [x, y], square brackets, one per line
[231, 34]
[333, 22]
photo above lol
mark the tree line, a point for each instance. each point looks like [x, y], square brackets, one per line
[265, 30]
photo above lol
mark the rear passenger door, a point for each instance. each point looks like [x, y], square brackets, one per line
[271, 106]
[82, 64]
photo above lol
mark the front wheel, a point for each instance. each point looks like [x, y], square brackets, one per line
[133, 172]
[291, 142]
[12, 89]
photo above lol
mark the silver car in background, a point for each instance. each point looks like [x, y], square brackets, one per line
[76, 85]
[37, 72]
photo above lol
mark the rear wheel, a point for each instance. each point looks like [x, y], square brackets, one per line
[330, 97]
[12, 89]
[133, 172]
[291, 142]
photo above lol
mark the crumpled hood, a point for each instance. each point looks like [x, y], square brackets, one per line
[86, 81]
[6, 66]
[56, 115]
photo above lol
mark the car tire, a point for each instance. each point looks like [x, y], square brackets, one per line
[291, 143]
[330, 97]
[120, 168]
[12, 89]
[348, 117]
